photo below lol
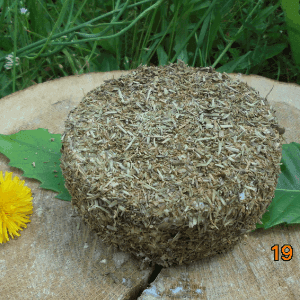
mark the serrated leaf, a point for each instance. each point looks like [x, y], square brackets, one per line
[285, 206]
[37, 154]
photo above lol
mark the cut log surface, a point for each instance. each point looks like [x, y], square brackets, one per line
[58, 257]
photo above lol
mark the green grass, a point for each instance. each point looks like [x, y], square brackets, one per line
[66, 37]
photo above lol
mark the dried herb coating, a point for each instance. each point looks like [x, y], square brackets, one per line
[172, 163]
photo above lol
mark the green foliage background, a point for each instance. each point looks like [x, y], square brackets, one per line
[59, 38]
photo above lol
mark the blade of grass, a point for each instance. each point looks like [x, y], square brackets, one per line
[194, 30]
[3, 13]
[200, 40]
[214, 24]
[292, 17]
[15, 47]
[86, 24]
[238, 33]
[57, 25]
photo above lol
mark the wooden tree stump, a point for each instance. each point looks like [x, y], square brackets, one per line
[57, 257]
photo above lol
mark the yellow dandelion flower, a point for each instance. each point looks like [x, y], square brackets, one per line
[15, 205]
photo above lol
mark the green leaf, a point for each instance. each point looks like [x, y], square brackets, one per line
[180, 36]
[162, 56]
[285, 206]
[5, 85]
[215, 20]
[262, 53]
[274, 50]
[37, 153]
[292, 18]
[107, 62]
[6, 43]
[109, 44]
[236, 64]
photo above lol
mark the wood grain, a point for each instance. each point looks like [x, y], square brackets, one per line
[57, 257]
